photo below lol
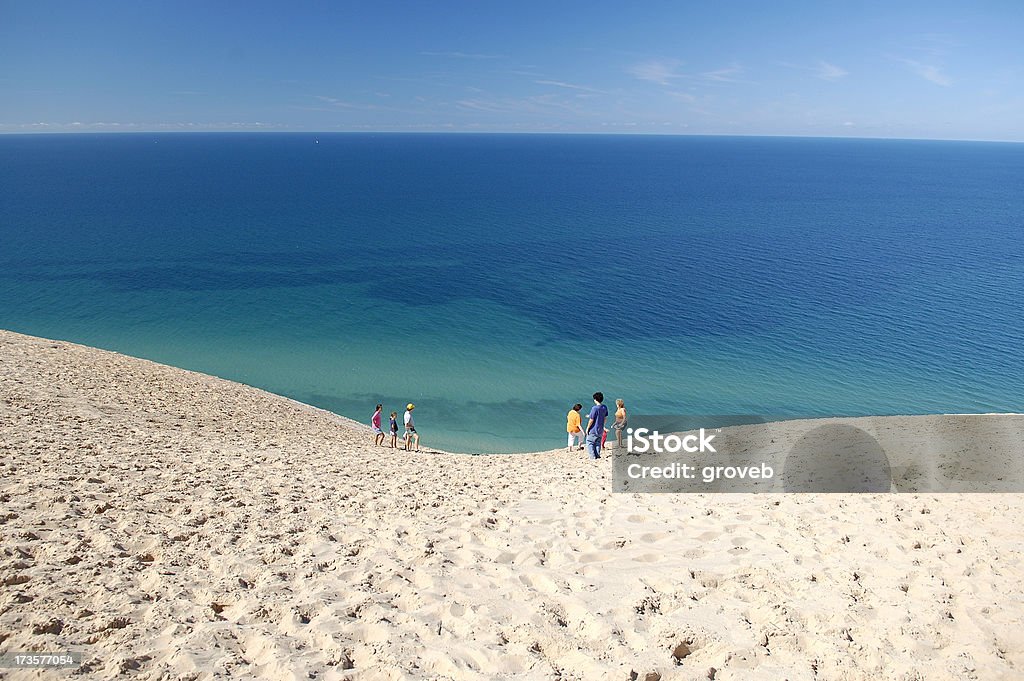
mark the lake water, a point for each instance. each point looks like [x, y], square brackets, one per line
[495, 280]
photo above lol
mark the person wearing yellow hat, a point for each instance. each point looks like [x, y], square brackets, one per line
[411, 436]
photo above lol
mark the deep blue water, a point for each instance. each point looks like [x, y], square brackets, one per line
[497, 279]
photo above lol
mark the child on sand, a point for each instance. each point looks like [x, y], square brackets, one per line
[378, 434]
[394, 430]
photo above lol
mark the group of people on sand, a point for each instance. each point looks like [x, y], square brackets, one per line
[594, 435]
[592, 438]
[411, 438]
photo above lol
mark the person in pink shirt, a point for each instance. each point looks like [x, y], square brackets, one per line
[378, 434]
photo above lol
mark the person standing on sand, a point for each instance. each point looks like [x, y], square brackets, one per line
[595, 426]
[394, 430]
[620, 422]
[411, 435]
[572, 425]
[378, 434]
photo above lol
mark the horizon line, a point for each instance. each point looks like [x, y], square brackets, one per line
[591, 133]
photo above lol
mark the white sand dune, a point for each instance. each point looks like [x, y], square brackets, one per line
[171, 525]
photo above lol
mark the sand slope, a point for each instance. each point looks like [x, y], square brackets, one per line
[174, 525]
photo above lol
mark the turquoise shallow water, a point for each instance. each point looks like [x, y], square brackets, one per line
[497, 279]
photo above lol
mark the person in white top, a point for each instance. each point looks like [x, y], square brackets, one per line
[411, 436]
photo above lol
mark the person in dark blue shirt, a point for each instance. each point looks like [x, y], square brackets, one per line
[595, 426]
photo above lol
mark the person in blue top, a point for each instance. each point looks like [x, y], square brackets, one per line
[595, 426]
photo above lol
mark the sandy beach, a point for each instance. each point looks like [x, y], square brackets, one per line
[172, 525]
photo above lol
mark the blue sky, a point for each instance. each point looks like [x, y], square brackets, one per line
[949, 70]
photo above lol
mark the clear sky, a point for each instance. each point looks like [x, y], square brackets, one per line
[952, 70]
